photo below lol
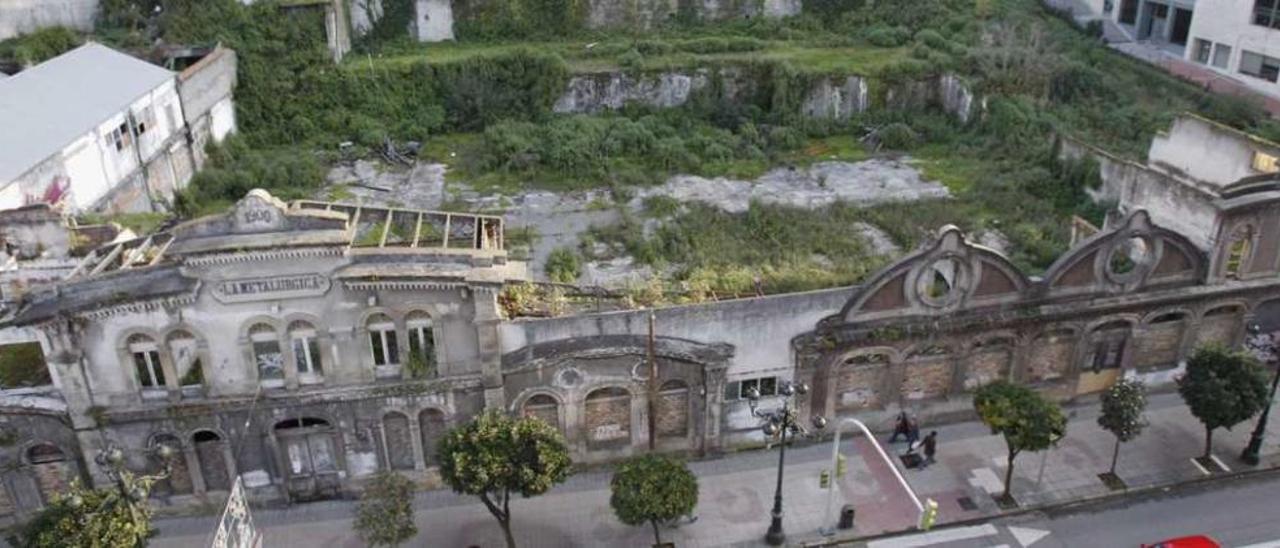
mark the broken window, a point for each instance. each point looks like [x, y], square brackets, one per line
[1203, 50]
[186, 358]
[146, 360]
[422, 344]
[306, 351]
[1265, 13]
[768, 386]
[267, 355]
[382, 340]
[119, 137]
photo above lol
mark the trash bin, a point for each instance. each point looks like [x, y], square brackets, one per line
[846, 517]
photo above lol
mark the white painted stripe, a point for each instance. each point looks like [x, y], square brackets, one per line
[936, 537]
[1267, 544]
[1202, 469]
[1219, 463]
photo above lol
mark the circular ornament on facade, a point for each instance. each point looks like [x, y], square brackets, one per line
[569, 377]
[942, 283]
[1128, 258]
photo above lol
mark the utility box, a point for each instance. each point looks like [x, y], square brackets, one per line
[846, 517]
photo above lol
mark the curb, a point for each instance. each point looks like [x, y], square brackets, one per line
[1273, 468]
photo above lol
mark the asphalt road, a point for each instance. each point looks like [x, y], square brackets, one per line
[1237, 513]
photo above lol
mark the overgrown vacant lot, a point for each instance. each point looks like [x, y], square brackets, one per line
[485, 108]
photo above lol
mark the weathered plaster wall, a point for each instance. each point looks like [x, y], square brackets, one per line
[26, 16]
[1206, 151]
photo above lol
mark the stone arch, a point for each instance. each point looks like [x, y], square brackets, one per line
[1160, 338]
[607, 417]
[212, 458]
[672, 420]
[1114, 262]
[50, 465]
[543, 405]
[141, 349]
[1050, 354]
[860, 377]
[420, 331]
[927, 371]
[433, 424]
[179, 480]
[969, 275]
[989, 359]
[397, 441]
[1221, 323]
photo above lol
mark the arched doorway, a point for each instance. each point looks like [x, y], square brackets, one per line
[673, 410]
[432, 425]
[179, 480]
[310, 453]
[543, 407]
[608, 418]
[212, 456]
[49, 465]
[397, 446]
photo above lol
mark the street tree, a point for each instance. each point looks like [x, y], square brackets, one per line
[1122, 407]
[1026, 419]
[494, 456]
[384, 515]
[1222, 387]
[88, 518]
[653, 489]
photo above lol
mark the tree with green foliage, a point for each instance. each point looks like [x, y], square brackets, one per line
[1122, 407]
[653, 489]
[1222, 387]
[495, 455]
[39, 46]
[88, 518]
[1027, 420]
[384, 516]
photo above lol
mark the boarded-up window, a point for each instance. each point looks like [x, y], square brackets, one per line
[988, 362]
[213, 461]
[1050, 356]
[49, 464]
[860, 378]
[608, 418]
[1219, 326]
[673, 409]
[179, 480]
[928, 374]
[1161, 338]
[544, 408]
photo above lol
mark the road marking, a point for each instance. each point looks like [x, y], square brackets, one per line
[1219, 463]
[1267, 544]
[1027, 536]
[936, 537]
[986, 479]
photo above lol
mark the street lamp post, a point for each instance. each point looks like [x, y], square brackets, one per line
[133, 489]
[777, 423]
[1264, 349]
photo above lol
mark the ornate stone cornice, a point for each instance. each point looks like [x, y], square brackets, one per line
[264, 255]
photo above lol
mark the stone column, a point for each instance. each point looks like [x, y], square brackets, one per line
[713, 406]
[198, 486]
[290, 361]
[415, 434]
[171, 385]
[487, 319]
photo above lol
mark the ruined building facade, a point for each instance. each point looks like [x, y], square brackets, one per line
[305, 346]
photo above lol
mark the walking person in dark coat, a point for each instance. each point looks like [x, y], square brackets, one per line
[930, 444]
[901, 428]
[913, 432]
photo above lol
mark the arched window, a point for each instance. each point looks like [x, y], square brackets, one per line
[267, 355]
[146, 360]
[382, 340]
[543, 407]
[422, 345]
[306, 351]
[608, 417]
[399, 447]
[43, 453]
[1238, 251]
[186, 358]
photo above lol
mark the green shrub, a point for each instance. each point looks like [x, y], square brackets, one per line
[562, 266]
[931, 38]
[897, 136]
[632, 59]
[888, 37]
[39, 46]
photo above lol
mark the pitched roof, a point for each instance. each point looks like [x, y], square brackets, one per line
[49, 105]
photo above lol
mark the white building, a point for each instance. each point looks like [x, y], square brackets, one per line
[1240, 38]
[96, 129]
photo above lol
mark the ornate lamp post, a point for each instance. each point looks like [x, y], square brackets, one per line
[1264, 349]
[133, 489]
[777, 423]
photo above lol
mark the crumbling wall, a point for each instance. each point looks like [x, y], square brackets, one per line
[1205, 151]
[206, 92]
[27, 16]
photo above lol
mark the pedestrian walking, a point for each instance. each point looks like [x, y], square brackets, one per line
[902, 427]
[930, 444]
[913, 432]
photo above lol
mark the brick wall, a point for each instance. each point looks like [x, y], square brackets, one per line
[858, 386]
[673, 413]
[985, 367]
[927, 378]
[608, 421]
[52, 477]
[1048, 360]
[545, 412]
[1217, 329]
[1158, 345]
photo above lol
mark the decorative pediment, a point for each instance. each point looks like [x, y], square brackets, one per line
[949, 274]
[261, 220]
[1134, 256]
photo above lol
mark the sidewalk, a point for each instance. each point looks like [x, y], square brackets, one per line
[736, 492]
